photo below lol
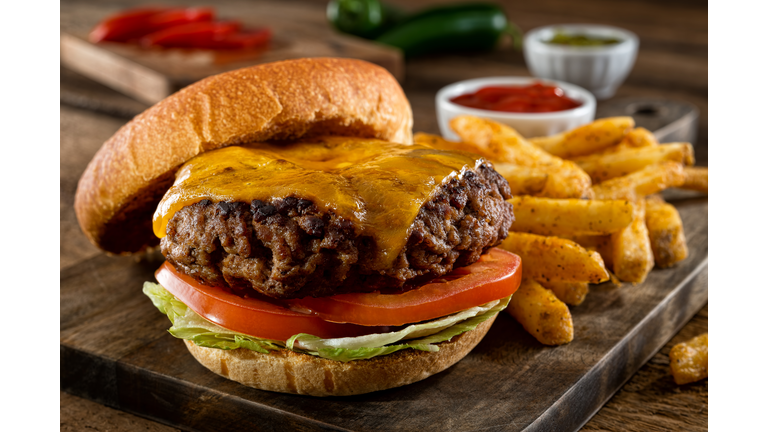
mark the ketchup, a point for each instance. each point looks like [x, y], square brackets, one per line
[532, 98]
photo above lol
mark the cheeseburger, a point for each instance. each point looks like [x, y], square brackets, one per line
[310, 246]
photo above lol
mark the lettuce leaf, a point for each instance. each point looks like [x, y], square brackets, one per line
[421, 336]
[189, 325]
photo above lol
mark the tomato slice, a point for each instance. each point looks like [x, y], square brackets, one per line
[251, 316]
[125, 25]
[496, 275]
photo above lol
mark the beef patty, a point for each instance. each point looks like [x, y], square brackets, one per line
[287, 248]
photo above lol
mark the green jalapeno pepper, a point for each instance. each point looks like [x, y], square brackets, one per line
[365, 18]
[460, 27]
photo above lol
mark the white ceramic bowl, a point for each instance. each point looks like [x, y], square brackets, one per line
[527, 124]
[599, 69]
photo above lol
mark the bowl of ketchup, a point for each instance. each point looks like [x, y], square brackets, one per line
[533, 107]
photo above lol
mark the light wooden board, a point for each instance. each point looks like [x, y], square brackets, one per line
[115, 350]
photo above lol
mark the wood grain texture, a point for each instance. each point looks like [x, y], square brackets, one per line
[672, 63]
[115, 350]
[78, 414]
[82, 133]
[651, 401]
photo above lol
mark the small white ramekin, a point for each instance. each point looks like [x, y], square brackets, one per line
[527, 124]
[599, 69]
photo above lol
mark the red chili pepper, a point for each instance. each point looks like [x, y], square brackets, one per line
[178, 28]
[206, 35]
[244, 40]
[136, 23]
[122, 26]
[176, 17]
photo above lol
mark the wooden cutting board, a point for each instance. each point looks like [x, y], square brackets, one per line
[115, 350]
[670, 120]
[151, 75]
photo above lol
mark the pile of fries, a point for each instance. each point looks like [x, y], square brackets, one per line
[587, 209]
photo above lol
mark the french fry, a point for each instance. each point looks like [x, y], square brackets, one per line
[491, 138]
[553, 258]
[636, 138]
[565, 179]
[570, 293]
[665, 230]
[639, 137]
[584, 203]
[689, 361]
[696, 178]
[649, 180]
[541, 314]
[522, 180]
[549, 216]
[602, 167]
[590, 138]
[601, 244]
[618, 229]
[631, 248]
[501, 141]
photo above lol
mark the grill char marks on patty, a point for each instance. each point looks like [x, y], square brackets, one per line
[287, 248]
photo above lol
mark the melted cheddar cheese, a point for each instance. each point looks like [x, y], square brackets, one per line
[377, 184]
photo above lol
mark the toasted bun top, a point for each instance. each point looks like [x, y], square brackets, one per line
[128, 176]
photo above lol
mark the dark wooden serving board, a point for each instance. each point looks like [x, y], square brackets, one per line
[115, 350]
[669, 120]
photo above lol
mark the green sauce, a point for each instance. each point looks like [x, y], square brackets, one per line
[581, 40]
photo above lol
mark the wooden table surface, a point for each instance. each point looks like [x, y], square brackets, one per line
[672, 63]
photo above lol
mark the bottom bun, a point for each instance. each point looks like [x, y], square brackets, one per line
[286, 371]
